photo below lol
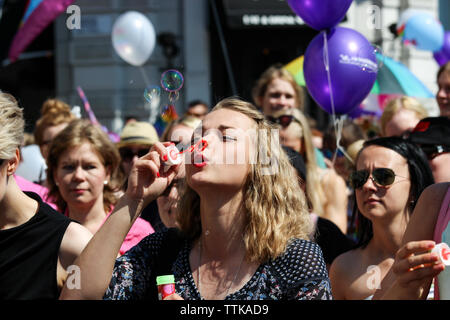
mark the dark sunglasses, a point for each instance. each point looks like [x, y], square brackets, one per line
[432, 151]
[381, 176]
[284, 120]
[128, 154]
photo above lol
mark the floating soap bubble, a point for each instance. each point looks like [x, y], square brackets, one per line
[172, 80]
[152, 93]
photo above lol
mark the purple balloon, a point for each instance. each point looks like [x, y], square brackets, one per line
[320, 14]
[443, 55]
[352, 66]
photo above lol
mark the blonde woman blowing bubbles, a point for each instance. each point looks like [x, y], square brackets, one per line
[243, 232]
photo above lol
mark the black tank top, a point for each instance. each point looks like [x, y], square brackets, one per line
[29, 255]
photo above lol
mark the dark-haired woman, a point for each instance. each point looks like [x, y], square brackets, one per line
[390, 175]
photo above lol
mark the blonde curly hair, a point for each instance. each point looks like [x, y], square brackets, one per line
[274, 204]
[53, 112]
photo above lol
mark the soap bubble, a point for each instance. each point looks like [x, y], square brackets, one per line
[172, 80]
[151, 93]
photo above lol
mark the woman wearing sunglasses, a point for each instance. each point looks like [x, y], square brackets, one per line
[390, 175]
[83, 178]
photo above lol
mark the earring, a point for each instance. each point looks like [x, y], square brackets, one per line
[105, 182]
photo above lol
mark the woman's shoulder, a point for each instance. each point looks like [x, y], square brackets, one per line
[344, 263]
[302, 257]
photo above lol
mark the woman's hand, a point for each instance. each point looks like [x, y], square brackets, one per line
[173, 297]
[147, 179]
[415, 267]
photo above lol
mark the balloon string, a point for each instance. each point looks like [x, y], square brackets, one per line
[338, 122]
[326, 61]
[339, 125]
[147, 82]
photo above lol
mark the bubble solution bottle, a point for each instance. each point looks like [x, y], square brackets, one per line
[166, 286]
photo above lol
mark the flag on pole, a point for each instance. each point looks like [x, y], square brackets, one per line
[38, 15]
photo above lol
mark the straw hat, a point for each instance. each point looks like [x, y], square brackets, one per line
[137, 132]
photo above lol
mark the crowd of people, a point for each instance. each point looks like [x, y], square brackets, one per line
[261, 206]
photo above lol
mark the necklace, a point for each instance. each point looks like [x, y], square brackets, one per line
[198, 271]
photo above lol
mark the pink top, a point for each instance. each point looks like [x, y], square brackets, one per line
[42, 191]
[442, 234]
[140, 229]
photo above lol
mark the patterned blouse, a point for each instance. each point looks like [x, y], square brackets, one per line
[299, 274]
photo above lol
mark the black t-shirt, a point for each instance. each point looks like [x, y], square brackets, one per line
[331, 240]
[29, 255]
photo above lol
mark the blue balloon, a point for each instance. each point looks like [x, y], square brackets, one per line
[443, 55]
[424, 31]
[352, 67]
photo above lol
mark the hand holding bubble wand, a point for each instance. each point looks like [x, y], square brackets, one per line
[174, 156]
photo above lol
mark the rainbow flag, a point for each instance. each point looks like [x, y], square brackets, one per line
[168, 114]
[295, 67]
[38, 15]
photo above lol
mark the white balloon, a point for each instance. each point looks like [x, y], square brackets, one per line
[133, 37]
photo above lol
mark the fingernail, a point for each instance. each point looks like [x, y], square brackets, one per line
[158, 175]
[165, 158]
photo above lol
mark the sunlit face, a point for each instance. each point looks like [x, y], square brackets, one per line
[403, 121]
[80, 176]
[224, 163]
[443, 94]
[48, 135]
[279, 95]
[378, 202]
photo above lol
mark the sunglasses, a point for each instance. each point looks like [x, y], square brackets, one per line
[284, 120]
[383, 177]
[128, 154]
[432, 151]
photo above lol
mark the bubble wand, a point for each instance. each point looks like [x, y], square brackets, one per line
[174, 155]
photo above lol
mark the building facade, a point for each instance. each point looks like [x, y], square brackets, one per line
[220, 46]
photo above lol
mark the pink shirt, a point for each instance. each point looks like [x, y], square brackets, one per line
[442, 234]
[140, 229]
[26, 185]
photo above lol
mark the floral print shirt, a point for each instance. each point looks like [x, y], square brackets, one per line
[300, 273]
